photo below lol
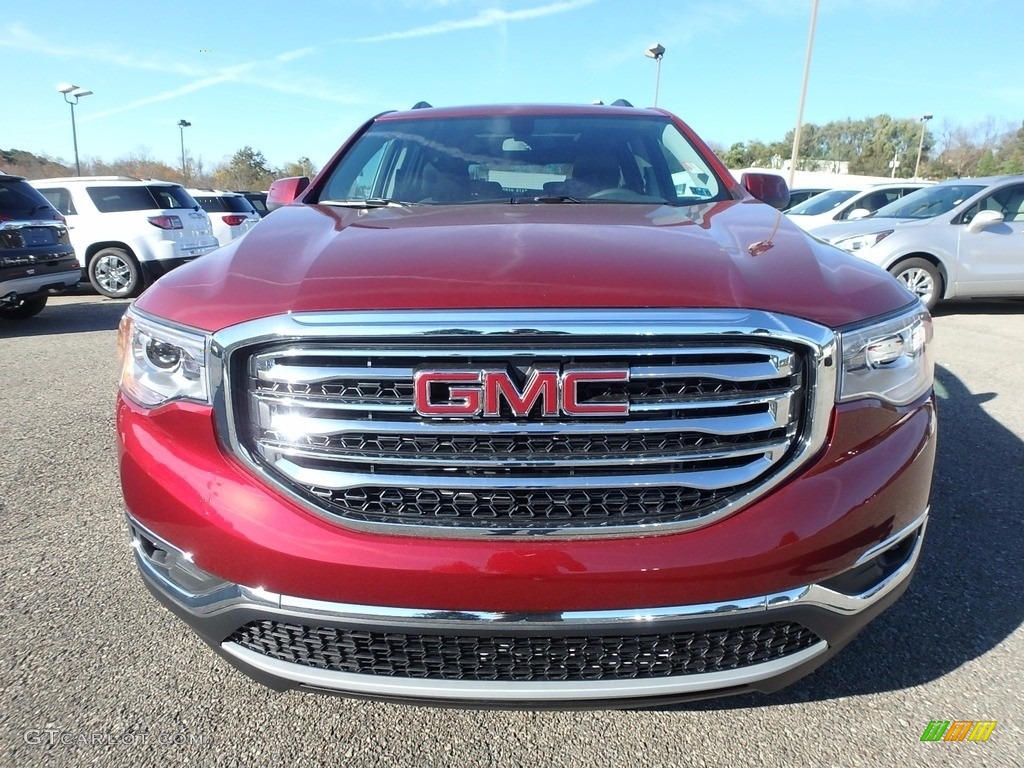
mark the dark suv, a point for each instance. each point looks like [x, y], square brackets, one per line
[35, 252]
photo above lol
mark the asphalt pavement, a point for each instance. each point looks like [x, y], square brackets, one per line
[96, 673]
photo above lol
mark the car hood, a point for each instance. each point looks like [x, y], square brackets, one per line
[731, 254]
[843, 229]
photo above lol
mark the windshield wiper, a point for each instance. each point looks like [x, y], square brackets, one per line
[368, 202]
[551, 199]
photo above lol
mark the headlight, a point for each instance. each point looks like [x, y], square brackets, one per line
[160, 363]
[859, 242]
[890, 360]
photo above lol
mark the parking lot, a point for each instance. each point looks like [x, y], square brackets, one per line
[96, 673]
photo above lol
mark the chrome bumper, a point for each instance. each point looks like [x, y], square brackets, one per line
[215, 608]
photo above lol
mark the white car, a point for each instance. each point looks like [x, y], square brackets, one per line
[958, 239]
[231, 213]
[848, 202]
[128, 232]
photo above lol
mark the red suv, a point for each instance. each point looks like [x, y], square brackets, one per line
[527, 406]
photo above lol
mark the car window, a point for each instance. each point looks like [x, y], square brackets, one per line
[823, 203]
[237, 204]
[112, 199]
[928, 202]
[60, 199]
[224, 203]
[259, 205]
[115, 199]
[171, 196]
[1008, 201]
[19, 199]
[461, 160]
[209, 204]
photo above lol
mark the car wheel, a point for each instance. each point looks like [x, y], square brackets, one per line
[24, 308]
[922, 278]
[114, 273]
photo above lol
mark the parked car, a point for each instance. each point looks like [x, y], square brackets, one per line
[231, 214]
[542, 409]
[128, 232]
[798, 195]
[35, 251]
[851, 202]
[958, 239]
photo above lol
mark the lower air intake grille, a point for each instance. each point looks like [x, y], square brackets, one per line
[524, 658]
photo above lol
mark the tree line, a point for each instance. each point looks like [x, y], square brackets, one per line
[246, 169]
[869, 146]
[866, 147]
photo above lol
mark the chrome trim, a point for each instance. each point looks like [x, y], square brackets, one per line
[777, 367]
[290, 374]
[875, 551]
[26, 224]
[815, 594]
[539, 460]
[772, 418]
[401, 333]
[540, 691]
[269, 399]
[704, 480]
[291, 607]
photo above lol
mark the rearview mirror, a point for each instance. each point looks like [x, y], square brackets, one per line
[858, 213]
[285, 191]
[984, 219]
[767, 187]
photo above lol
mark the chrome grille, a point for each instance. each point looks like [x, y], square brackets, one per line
[713, 421]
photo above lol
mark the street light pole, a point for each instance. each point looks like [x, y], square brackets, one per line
[182, 125]
[920, 145]
[656, 52]
[75, 93]
[803, 95]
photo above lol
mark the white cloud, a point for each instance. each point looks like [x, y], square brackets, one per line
[296, 54]
[487, 18]
[16, 37]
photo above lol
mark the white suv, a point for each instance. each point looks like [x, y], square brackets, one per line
[127, 232]
[849, 202]
[231, 213]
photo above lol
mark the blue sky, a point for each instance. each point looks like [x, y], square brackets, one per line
[295, 78]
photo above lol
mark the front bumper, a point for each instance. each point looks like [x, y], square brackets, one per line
[630, 657]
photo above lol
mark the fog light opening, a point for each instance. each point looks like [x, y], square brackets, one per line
[868, 575]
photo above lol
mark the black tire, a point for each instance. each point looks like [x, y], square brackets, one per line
[24, 308]
[115, 273]
[921, 278]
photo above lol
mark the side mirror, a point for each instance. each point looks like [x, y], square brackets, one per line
[285, 191]
[767, 187]
[984, 219]
[858, 213]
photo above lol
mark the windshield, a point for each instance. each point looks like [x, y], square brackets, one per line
[824, 202]
[523, 158]
[928, 202]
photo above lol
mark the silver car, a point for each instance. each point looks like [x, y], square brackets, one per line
[958, 239]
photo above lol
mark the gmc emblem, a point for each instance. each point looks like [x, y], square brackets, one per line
[475, 393]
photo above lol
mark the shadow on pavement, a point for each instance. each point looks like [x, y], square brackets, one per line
[980, 307]
[95, 313]
[965, 596]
